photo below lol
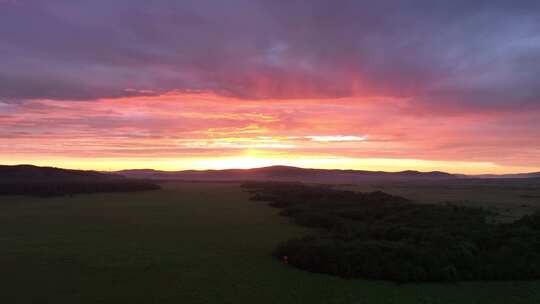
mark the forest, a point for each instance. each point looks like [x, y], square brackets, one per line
[381, 236]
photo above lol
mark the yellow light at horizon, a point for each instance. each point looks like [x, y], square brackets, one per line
[257, 158]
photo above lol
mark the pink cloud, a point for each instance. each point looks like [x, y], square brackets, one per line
[184, 125]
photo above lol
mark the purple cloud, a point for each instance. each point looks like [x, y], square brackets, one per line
[485, 53]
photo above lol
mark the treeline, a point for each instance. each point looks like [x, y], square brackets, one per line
[381, 236]
[61, 187]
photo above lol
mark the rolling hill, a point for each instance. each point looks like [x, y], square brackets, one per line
[30, 172]
[286, 173]
[49, 181]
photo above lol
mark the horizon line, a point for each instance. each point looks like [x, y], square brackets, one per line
[269, 166]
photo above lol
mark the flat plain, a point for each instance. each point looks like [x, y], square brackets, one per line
[509, 198]
[203, 243]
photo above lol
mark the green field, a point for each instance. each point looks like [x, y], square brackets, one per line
[186, 243]
[510, 198]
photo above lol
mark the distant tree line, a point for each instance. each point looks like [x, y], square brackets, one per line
[61, 187]
[380, 236]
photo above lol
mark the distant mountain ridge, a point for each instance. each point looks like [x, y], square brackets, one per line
[285, 173]
[514, 175]
[272, 173]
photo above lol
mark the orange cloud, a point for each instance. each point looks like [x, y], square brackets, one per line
[179, 129]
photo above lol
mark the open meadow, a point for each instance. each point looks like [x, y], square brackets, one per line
[509, 198]
[188, 243]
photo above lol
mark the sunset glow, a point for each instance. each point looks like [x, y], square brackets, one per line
[205, 131]
[189, 99]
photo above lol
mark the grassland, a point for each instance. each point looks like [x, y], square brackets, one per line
[186, 243]
[510, 198]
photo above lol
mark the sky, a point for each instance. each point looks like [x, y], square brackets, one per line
[211, 84]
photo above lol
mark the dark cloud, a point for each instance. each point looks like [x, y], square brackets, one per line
[473, 53]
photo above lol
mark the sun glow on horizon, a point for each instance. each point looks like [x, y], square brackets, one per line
[257, 158]
[275, 87]
[181, 131]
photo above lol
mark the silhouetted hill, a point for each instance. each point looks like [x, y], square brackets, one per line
[286, 173]
[30, 172]
[48, 181]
